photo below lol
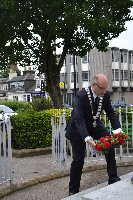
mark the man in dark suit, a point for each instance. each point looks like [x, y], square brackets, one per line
[85, 125]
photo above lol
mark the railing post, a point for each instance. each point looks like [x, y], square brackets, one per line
[132, 123]
[0, 153]
[5, 151]
[120, 119]
[127, 128]
[58, 138]
[9, 127]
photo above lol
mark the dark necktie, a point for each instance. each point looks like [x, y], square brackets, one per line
[96, 101]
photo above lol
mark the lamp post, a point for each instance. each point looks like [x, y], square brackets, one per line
[74, 73]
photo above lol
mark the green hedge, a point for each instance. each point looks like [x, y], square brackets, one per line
[41, 103]
[33, 129]
[37, 104]
[17, 105]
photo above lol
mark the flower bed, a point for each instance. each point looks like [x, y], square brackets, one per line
[114, 140]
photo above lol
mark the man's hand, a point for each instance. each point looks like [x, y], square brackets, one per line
[91, 143]
[117, 131]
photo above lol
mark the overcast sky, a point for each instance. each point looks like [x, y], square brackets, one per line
[125, 39]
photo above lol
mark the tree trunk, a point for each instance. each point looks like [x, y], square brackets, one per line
[56, 97]
[52, 76]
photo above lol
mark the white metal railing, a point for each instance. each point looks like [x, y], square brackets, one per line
[59, 149]
[5, 151]
[58, 139]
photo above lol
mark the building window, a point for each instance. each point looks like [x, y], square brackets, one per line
[71, 59]
[131, 75]
[115, 74]
[24, 97]
[115, 55]
[37, 83]
[15, 98]
[12, 86]
[85, 76]
[121, 57]
[124, 75]
[77, 77]
[85, 59]
[131, 58]
[63, 77]
[125, 57]
[72, 77]
[28, 98]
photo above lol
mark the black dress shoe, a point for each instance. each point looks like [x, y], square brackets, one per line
[112, 180]
[71, 193]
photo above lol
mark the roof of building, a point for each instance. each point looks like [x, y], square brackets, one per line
[3, 80]
[32, 88]
[22, 78]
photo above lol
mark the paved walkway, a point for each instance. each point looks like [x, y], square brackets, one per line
[33, 170]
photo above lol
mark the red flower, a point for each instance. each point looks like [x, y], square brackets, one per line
[121, 141]
[114, 143]
[117, 135]
[106, 145]
[119, 138]
[98, 147]
[102, 139]
[125, 136]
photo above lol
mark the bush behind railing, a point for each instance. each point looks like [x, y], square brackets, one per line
[33, 129]
[17, 105]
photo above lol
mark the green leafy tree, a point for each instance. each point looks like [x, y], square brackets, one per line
[5, 72]
[30, 28]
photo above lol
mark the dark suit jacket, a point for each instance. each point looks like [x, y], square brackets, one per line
[81, 122]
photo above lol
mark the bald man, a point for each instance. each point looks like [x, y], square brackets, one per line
[85, 126]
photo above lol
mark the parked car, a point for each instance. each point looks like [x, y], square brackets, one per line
[6, 111]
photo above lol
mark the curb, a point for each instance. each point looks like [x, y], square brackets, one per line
[60, 174]
[31, 152]
[43, 151]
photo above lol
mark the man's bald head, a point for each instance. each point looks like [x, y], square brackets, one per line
[100, 84]
[101, 78]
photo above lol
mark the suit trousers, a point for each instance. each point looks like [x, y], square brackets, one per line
[78, 162]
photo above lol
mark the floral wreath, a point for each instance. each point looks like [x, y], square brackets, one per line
[107, 142]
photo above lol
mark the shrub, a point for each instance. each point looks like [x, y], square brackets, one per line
[41, 103]
[17, 105]
[33, 129]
